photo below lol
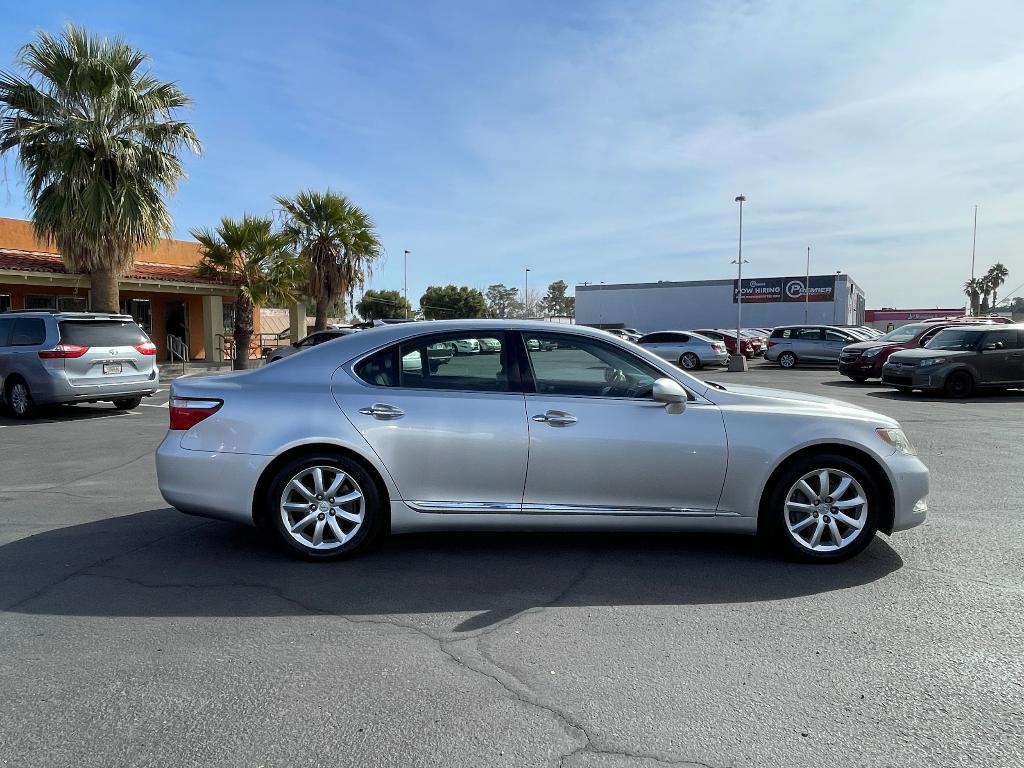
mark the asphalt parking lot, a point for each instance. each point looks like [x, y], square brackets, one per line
[132, 635]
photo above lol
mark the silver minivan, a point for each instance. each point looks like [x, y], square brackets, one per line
[790, 345]
[49, 357]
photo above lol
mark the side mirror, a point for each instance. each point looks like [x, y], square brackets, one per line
[671, 393]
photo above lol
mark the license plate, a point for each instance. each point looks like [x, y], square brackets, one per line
[111, 368]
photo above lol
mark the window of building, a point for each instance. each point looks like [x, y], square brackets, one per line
[40, 301]
[141, 311]
[5, 302]
[72, 303]
[228, 314]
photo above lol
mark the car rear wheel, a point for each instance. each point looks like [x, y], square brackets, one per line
[20, 399]
[822, 509]
[787, 360]
[324, 507]
[689, 361]
[959, 384]
[127, 403]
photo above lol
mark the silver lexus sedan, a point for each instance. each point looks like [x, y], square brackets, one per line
[331, 448]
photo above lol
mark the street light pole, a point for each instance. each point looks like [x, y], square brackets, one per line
[526, 295]
[807, 286]
[974, 242]
[738, 362]
[406, 286]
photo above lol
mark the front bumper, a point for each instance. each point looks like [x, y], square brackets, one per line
[932, 377]
[868, 367]
[217, 485]
[910, 491]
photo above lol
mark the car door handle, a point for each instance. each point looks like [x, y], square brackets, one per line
[555, 418]
[383, 411]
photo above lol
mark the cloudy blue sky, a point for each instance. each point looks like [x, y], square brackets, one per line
[605, 141]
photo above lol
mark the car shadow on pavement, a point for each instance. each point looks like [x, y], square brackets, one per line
[163, 563]
[1010, 396]
[62, 413]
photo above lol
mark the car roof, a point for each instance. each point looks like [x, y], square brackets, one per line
[61, 315]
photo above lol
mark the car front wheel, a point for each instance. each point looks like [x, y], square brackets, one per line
[787, 360]
[324, 507]
[822, 509]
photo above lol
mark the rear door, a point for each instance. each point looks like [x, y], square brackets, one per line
[453, 436]
[111, 352]
[1001, 359]
[808, 345]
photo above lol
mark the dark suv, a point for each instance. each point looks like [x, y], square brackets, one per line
[960, 359]
[864, 360]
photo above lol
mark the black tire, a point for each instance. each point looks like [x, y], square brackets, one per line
[127, 403]
[19, 399]
[373, 509]
[772, 518]
[787, 360]
[689, 361]
[904, 390]
[959, 384]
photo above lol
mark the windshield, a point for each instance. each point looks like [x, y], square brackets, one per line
[955, 338]
[903, 333]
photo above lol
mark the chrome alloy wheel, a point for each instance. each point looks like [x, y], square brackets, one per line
[322, 507]
[826, 510]
[19, 398]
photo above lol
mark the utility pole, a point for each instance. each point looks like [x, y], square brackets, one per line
[406, 287]
[738, 362]
[974, 243]
[807, 286]
[526, 295]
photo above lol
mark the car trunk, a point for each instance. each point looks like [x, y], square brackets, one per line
[113, 352]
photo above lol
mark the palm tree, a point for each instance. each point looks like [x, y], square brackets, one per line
[250, 254]
[996, 276]
[973, 288]
[338, 242]
[97, 139]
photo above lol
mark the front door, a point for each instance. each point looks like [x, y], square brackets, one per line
[176, 323]
[600, 444]
[450, 430]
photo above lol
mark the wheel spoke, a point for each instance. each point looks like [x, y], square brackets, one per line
[823, 482]
[843, 486]
[295, 506]
[295, 485]
[318, 533]
[336, 529]
[810, 494]
[304, 522]
[350, 516]
[318, 480]
[332, 489]
[834, 530]
[353, 496]
[816, 536]
[802, 524]
[796, 506]
[856, 501]
[847, 520]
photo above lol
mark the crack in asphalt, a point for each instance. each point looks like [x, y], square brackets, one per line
[473, 659]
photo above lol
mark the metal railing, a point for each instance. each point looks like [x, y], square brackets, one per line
[177, 348]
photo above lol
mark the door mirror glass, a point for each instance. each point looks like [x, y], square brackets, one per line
[671, 393]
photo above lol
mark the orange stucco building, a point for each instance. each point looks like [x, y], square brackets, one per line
[162, 291]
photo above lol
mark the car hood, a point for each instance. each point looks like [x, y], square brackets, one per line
[776, 400]
[918, 354]
[860, 346]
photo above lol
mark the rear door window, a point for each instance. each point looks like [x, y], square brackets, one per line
[28, 332]
[101, 333]
[6, 324]
[1001, 340]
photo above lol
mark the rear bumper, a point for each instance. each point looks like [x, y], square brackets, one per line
[715, 358]
[217, 485]
[57, 389]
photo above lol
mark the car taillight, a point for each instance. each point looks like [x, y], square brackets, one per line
[146, 348]
[186, 412]
[63, 352]
[719, 346]
[772, 343]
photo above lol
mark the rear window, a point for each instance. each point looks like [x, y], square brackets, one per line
[101, 333]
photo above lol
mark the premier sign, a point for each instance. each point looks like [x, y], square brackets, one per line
[771, 290]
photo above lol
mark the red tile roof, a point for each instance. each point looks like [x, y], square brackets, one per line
[36, 261]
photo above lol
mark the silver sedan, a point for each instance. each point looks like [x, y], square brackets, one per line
[690, 350]
[330, 448]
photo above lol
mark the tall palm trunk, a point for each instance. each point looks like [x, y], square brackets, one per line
[323, 304]
[104, 295]
[243, 332]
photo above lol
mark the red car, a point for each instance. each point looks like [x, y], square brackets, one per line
[864, 360]
[749, 345]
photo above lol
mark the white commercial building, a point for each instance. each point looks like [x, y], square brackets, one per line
[767, 302]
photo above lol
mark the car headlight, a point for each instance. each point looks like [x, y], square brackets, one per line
[926, 361]
[873, 352]
[897, 440]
